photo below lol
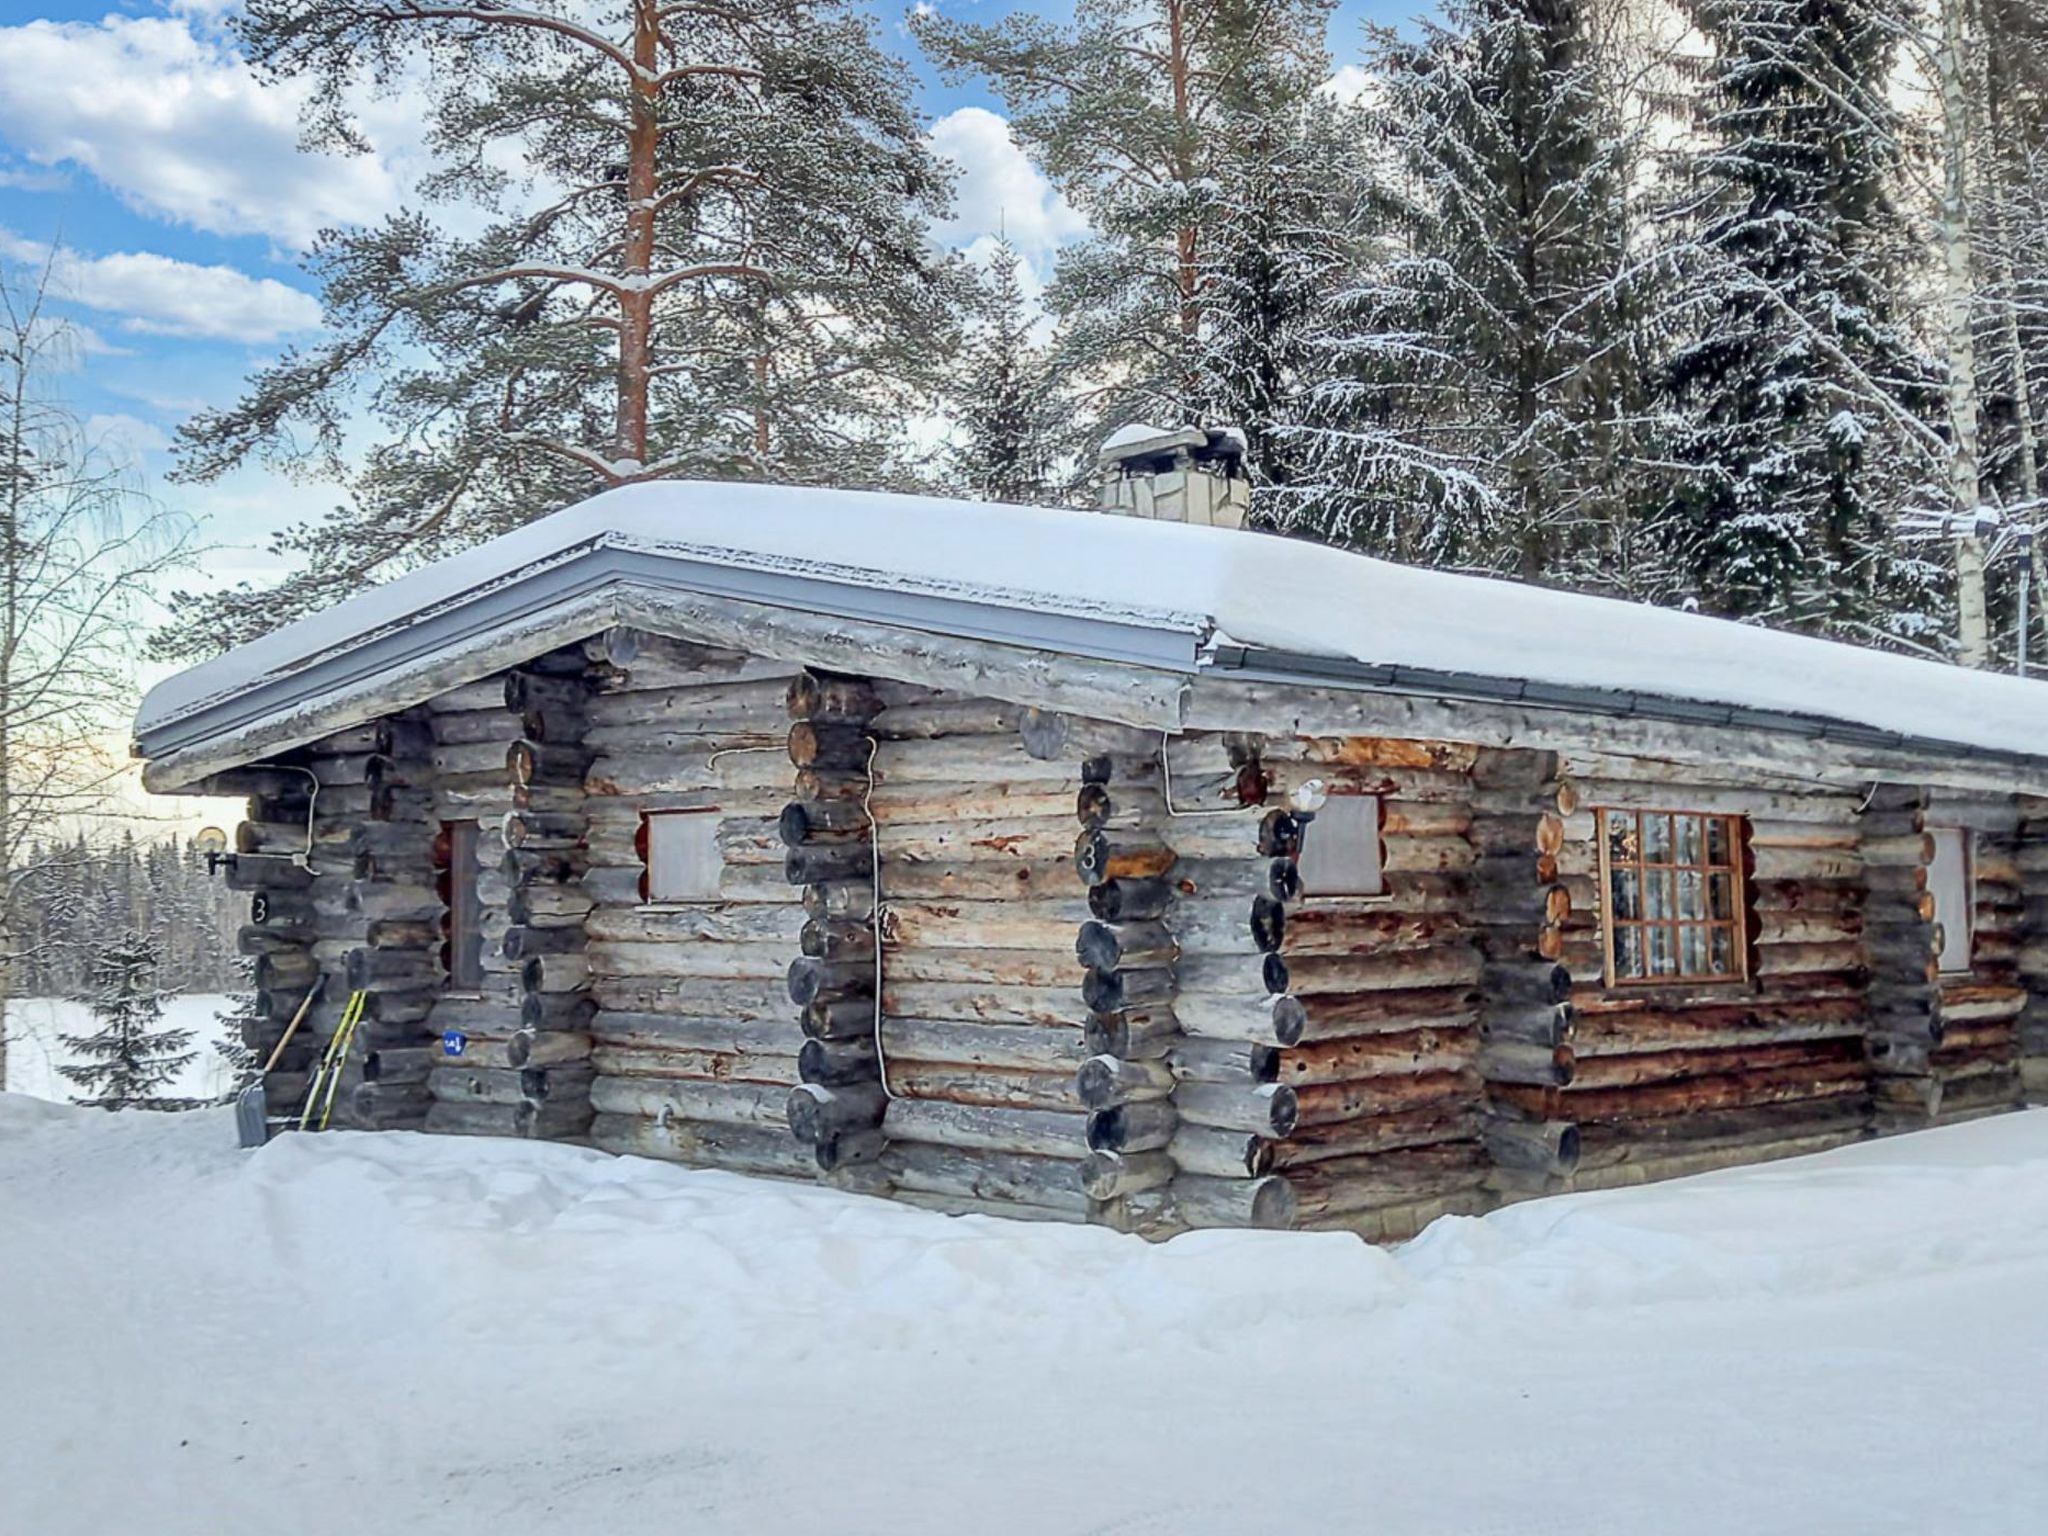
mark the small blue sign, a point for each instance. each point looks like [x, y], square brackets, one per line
[453, 1042]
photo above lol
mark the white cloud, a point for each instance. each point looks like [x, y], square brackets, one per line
[1000, 190]
[128, 438]
[172, 120]
[25, 178]
[162, 296]
[1351, 83]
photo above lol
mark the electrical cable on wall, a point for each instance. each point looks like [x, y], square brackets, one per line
[875, 911]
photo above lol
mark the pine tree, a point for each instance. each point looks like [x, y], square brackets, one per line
[131, 1055]
[715, 263]
[1475, 404]
[1011, 422]
[1799, 390]
[1118, 106]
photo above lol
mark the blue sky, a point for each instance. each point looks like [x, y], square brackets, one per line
[130, 135]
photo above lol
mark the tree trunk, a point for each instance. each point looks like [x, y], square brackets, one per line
[1180, 71]
[1972, 615]
[636, 306]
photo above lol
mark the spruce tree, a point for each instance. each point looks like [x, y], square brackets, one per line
[1474, 404]
[1796, 384]
[713, 262]
[1011, 422]
[1288, 170]
[131, 1055]
[1120, 106]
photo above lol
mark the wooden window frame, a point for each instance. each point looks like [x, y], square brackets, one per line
[1968, 838]
[458, 883]
[1737, 922]
[643, 845]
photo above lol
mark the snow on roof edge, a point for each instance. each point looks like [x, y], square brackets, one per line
[1263, 591]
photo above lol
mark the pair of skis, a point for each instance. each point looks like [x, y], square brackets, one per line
[327, 1080]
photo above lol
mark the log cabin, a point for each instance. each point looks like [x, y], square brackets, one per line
[1124, 866]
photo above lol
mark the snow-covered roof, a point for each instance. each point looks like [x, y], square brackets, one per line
[1160, 594]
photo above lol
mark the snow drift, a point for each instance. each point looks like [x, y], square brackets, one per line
[369, 1332]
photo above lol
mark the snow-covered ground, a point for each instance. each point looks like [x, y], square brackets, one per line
[34, 1049]
[357, 1333]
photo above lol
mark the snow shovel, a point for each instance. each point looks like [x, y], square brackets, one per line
[252, 1104]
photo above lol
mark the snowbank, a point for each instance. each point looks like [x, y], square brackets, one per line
[1250, 588]
[357, 1332]
[35, 1048]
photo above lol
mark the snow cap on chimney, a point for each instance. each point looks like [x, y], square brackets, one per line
[1178, 474]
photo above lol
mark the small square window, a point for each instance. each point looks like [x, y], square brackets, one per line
[1952, 881]
[680, 850]
[1340, 849]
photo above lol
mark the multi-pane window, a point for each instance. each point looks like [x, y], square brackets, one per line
[462, 910]
[679, 850]
[1340, 849]
[1673, 884]
[1950, 880]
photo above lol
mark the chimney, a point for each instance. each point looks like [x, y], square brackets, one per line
[1187, 475]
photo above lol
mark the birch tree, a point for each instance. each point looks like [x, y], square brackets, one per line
[661, 238]
[80, 554]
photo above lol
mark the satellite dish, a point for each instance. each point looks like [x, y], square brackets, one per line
[210, 840]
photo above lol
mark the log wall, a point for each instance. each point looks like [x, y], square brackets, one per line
[336, 856]
[1182, 1099]
[981, 1009]
[1944, 1046]
[2030, 856]
[985, 958]
[1662, 1079]
[695, 1042]
[514, 1051]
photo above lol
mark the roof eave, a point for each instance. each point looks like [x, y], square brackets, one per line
[603, 585]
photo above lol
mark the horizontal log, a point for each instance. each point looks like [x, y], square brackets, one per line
[1134, 1127]
[1108, 1175]
[1034, 1132]
[1105, 1080]
[742, 1149]
[1269, 1109]
[1354, 1184]
[1025, 1047]
[1418, 1125]
[728, 1103]
[1001, 1178]
[1195, 1201]
[1406, 1053]
[665, 1059]
[991, 1087]
[1204, 1151]
[525, 1121]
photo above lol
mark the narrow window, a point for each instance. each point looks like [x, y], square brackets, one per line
[1951, 880]
[462, 912]
[1340, 849]
[679, 850]
[1674, 896]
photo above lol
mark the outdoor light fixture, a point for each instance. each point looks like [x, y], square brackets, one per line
[1308, 797]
